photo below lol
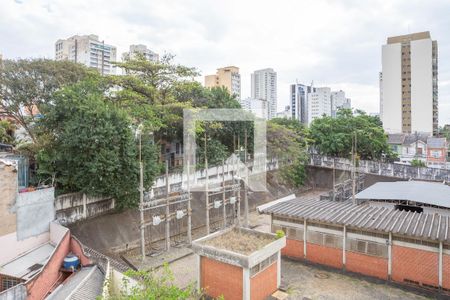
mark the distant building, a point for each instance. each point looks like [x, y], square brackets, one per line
[409, 88]
[339, 101]
[259, 107]
[437, 150]
[285, 114]
[89, 51]
[227, 77]
[319, 103]
[140, 50]
[299, 101]
[264, 86]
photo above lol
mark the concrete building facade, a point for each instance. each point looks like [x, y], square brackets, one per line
[89, 51]
[299, 101]
[409, 84]
[227, 77]
[141, 50]
[339, 101]
[259, 107]
[319, 103]
[264, 86]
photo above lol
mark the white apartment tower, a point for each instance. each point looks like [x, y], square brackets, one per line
[258, 107]
[264, 86]
[338, 101]
[408, 84]
[141, 50]
[319, 103]
[89, 51]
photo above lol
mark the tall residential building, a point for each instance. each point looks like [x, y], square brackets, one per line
[299, 101]
[259, 107]
[141, 50]
[338, 101]
[228, 77]
[409, 88]
[264, 86]
[89, 51]
[319, 103]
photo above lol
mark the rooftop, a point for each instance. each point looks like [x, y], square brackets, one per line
[421, 192]
[239, 241]
[28, 264]
[383, 219]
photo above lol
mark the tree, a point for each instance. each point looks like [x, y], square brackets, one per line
[6, 132]
[26, 84]
[91, 146]
[418, 163]
[333, 136]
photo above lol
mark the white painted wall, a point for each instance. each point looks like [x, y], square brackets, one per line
[421, 86]
[391, 85]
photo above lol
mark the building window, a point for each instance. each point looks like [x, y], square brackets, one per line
[263, 265]
[9, 282]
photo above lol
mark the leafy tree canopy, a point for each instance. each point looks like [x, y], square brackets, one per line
[333, 136]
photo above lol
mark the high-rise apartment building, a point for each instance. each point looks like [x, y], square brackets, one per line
[136, 50]
[264, 86]
[319, 103]
[259, 107]
[89, 51]
[299, 101]
[227, 77]
[408, 84]
[338, 101]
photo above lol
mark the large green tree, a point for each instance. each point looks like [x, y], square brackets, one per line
[6, 132]
[334, 136]
[26, 84]
[91, 146]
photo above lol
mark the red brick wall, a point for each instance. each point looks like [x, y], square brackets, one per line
[293, 248]
[367, 265]
[264, 283]
[76, 249]
[218, 279]
[50, 275]
[446, 271]
[324, 255]
[413, 264]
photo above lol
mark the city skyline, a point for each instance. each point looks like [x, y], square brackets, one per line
[347, 58]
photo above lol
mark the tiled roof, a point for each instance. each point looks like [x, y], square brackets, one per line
[434, 227]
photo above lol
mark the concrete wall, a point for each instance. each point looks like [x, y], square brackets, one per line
[8, 193]
[35, 211]
[73, 207]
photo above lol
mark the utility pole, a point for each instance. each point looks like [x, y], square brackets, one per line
[167, 207]
[189, 213]
[354, 151]
[223, 196]
[141, 193]
[239, 182]
[233, 175]
[245, 181]
[206, 189]
[334, 178]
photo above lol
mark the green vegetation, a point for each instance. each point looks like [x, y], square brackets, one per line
[280, 234]
[418, 163]
[6, 132]
[333, 136]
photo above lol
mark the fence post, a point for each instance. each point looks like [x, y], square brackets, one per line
[84, 206]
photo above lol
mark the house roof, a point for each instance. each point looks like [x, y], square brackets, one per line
[396, 138]
[28, 264]
[365, 216]
[413, 138]
[417, 191]
[437, 142]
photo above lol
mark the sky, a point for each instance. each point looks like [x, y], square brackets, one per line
[329, 42]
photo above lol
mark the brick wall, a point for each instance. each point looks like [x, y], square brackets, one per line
[218, 279]
[324, 255]
[39, 286]
[446, 272]
[367, 265]
[413, 264]
[264, 283]
[293, 248]
[76, 249]
[8, 193]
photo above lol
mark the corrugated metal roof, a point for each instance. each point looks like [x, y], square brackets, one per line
[431, 193]
[433, 142]
[364, 216]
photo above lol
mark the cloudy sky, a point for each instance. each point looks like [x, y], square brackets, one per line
[333, 43]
